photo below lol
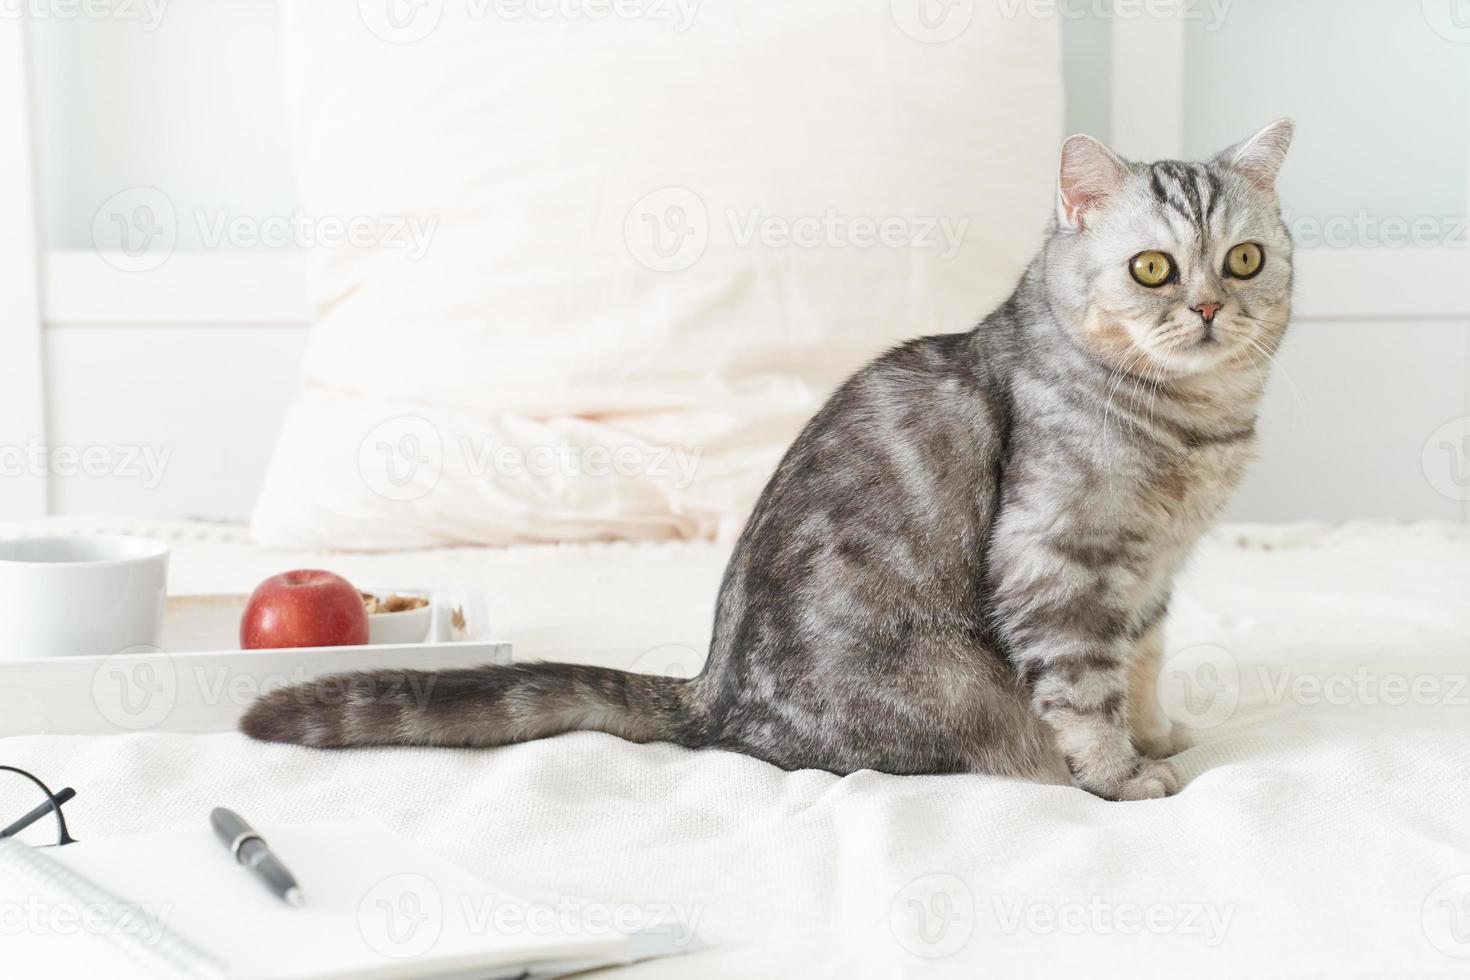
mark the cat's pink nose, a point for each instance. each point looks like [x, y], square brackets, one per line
[1207, 311]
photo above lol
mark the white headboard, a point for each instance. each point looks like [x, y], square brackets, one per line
[190, 365]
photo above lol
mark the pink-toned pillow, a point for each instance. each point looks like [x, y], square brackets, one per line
[606, 268]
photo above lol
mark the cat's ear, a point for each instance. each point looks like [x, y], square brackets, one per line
[1261, 156]
[1089, 173]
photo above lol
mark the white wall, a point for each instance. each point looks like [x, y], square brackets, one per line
[191, 106]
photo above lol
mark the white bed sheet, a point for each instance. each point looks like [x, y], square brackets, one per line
[1324, 828]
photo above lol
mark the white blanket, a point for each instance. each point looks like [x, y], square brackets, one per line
[1324, 828]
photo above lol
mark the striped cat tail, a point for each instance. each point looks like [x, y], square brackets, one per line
[472, 707]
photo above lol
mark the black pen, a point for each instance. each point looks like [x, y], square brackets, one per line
[249, 849]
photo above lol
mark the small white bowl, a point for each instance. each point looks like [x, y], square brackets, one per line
[398, 628]
[81, 596]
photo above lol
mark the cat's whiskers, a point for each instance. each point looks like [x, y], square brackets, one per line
[1269, 352]
[1152, 374]
[1269, 356]
[1114, 379]
[1133, 355]
[1150, 379]
[1153, 392]
[1249, 350]
[1262, 320]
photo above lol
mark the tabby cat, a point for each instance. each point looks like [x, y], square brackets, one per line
[964, 562]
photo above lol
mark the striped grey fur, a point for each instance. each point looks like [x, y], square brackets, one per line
[964, 562]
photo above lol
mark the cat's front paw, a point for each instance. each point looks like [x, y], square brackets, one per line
[1154, 780]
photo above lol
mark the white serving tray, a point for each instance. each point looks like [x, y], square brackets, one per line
[201, 681]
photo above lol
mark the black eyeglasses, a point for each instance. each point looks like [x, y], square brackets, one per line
[41, 822]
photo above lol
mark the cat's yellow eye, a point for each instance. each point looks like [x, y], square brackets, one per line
[1245, 260]
[1152, 268]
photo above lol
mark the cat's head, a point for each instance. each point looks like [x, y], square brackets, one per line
[1172, 268]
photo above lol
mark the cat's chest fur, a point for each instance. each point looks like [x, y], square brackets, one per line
[1179, 491]
[1118, 511]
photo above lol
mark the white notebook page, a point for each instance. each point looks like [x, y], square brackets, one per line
[376, 905]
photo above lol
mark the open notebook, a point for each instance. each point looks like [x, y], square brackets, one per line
[376, 906]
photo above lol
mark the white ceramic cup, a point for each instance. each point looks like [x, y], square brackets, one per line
[81, 596]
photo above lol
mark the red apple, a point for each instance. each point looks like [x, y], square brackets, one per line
[305, 608]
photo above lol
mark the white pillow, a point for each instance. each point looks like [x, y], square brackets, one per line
[504, 351]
